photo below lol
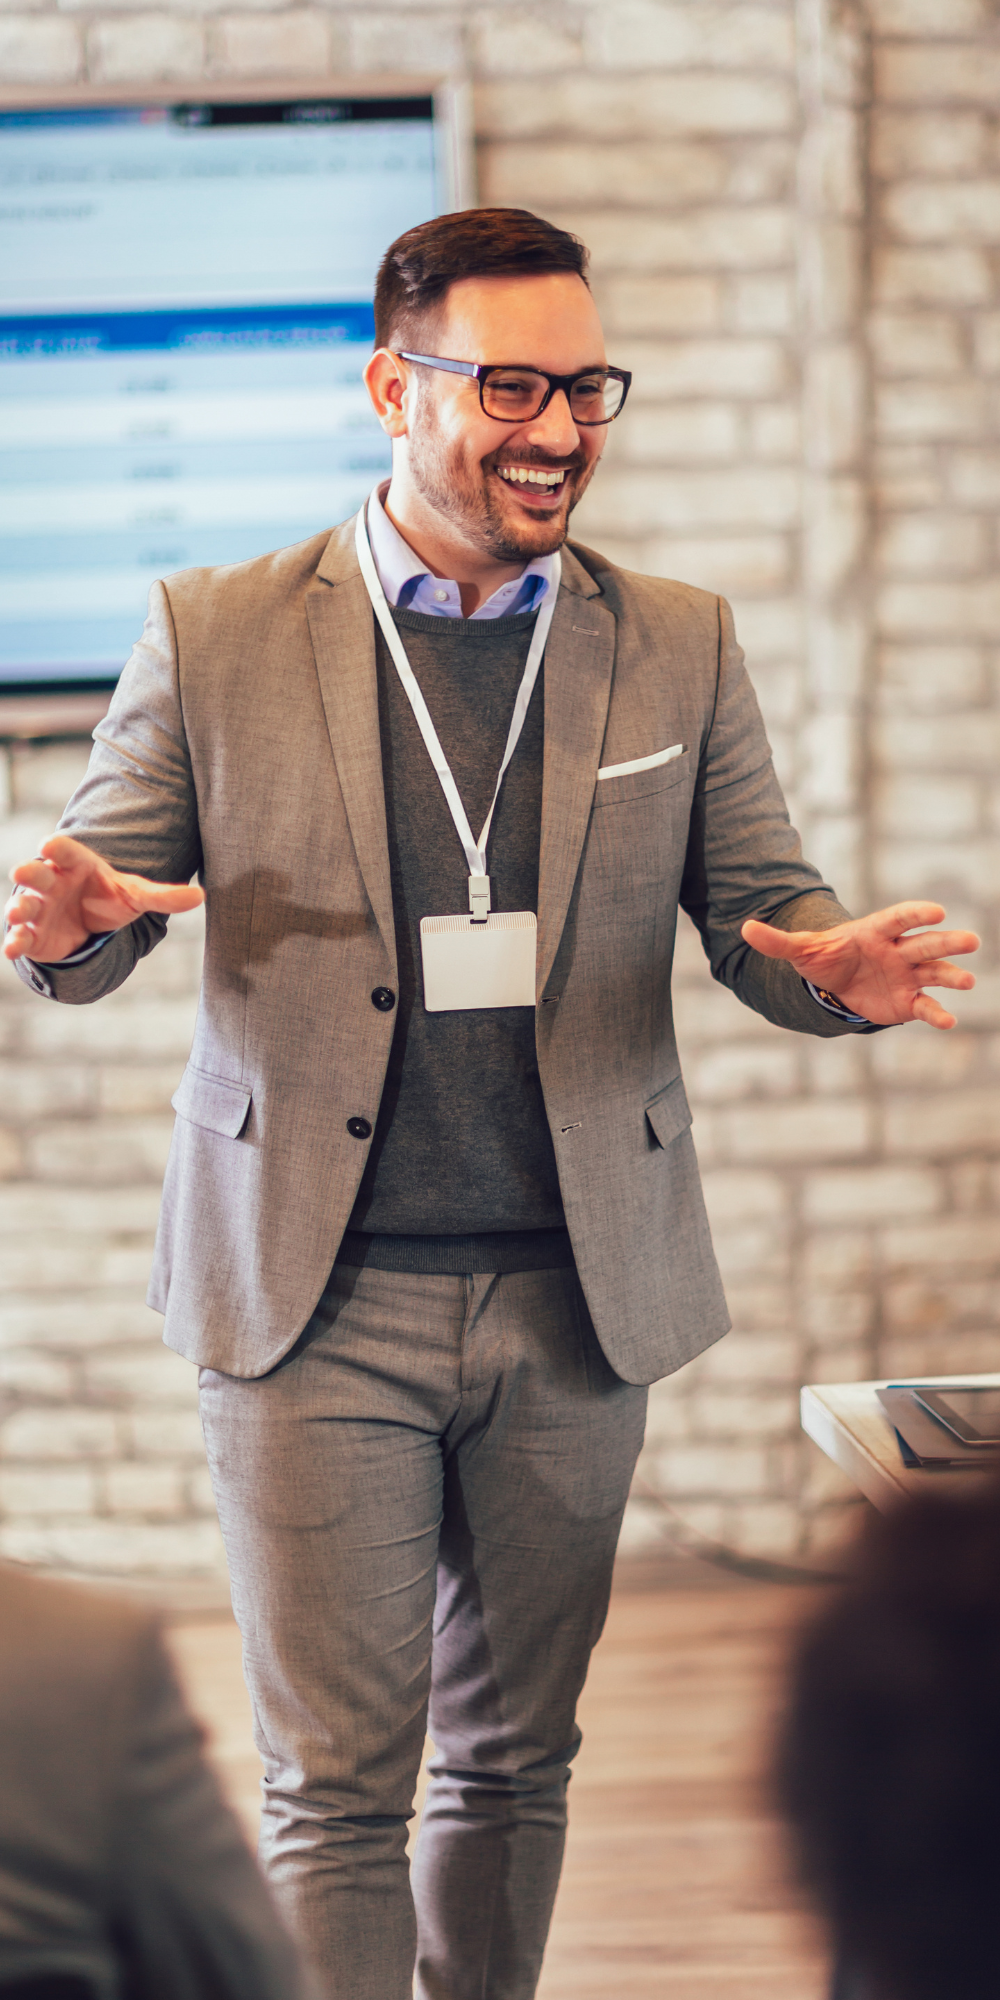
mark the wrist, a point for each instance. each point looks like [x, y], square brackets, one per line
[831, 1003]
[46, 954]
[69, 950]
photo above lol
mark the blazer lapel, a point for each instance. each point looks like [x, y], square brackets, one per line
[343, 637]
[579, 659]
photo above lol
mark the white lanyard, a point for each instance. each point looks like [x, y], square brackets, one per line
[475, 850]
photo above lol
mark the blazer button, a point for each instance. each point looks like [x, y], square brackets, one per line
[359, 1128]
[384, 999]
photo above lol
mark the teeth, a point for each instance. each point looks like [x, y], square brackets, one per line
[522, 475]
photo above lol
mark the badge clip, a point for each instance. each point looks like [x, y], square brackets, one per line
[479, 898]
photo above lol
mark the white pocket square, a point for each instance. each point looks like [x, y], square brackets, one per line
[642, 763]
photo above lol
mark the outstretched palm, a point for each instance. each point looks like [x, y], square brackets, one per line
[69, 892]
[877, 966]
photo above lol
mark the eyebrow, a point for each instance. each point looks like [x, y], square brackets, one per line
[472, 368]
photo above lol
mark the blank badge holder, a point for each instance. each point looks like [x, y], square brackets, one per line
[475, 964]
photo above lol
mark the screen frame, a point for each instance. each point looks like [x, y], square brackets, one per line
[937, 1399]
[39, 714]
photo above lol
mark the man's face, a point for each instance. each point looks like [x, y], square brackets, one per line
[461, 460]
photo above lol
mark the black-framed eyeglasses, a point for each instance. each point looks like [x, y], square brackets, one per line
[515, 395]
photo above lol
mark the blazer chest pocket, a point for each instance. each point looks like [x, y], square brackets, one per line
[641, 784]
[669, 1113]
[212, 1102]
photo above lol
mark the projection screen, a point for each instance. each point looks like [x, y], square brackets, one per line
[185, 309]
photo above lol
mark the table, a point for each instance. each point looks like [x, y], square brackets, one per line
[848, 1423]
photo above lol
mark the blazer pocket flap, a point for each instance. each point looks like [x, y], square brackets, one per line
[212, 1101]
[669, 1112]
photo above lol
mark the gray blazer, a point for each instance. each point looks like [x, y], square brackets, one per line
[119, 1861]
[243, 742]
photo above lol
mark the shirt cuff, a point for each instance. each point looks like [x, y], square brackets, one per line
[95, 943]
[831, 1005]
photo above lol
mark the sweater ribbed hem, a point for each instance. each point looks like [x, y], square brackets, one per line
[459, 1256]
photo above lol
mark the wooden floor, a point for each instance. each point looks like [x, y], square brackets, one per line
[674, 1883]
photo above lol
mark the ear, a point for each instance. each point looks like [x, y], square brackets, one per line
[387, 381]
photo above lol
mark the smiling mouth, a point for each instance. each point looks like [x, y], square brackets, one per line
[537, 482]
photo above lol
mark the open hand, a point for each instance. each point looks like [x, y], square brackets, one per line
[877, 966]
[69, 893]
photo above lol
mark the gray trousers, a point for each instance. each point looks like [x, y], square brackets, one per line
[420, 1506]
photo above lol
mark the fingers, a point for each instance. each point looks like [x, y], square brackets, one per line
[21, 915]
[24, 907]
[927, 945]
[58, 857]
[900, 917]
[62, 857]
[18, 942]
[890, 924]
[940, 972]
[54, 878]
[66, 853]
[68, 892]
[33, 875]
[925, 1008]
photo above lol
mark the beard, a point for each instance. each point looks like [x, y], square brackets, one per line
[465, 496]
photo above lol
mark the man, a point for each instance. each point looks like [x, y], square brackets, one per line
[429, 1243]
[122, 1870]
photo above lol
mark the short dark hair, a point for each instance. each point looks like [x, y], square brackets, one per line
[419, 267]
[891, 1746]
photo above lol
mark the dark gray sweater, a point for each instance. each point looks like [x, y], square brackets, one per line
[461, 1175]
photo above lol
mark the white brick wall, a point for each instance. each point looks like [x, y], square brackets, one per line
[101, 1461]
[933, 748]
[793, 208]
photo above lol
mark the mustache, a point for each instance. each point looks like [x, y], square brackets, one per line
[543, 461]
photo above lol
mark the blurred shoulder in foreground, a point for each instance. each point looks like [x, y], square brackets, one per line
[890, 1752]
[121, 1866]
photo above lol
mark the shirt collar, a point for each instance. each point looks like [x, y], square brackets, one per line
[399, 567]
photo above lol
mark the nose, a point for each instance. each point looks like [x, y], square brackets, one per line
[554, 430]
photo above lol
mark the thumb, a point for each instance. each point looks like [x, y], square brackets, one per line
[174, 896]
[168, 897]
[772, 943]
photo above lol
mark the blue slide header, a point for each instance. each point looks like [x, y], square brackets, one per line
[206, 330]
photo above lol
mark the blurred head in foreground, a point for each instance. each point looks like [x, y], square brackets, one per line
[889, 1762]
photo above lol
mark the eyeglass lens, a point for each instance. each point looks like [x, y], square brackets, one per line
[515, 394]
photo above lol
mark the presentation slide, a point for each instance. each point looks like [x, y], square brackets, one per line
[185, 311]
